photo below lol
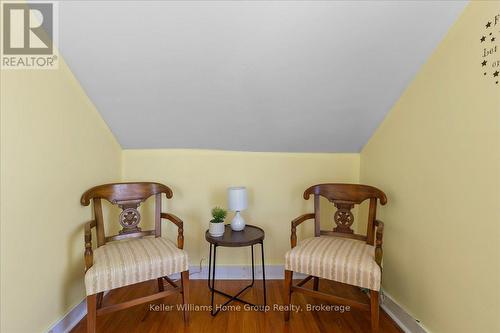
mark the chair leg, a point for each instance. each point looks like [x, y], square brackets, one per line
[91, 313]
[316, 283]
[374, 310]
[185, 294]
[100, 297]
[160, 284]
[288, 293]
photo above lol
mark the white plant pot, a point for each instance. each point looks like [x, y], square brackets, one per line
[216, 229]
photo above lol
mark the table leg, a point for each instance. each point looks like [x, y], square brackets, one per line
[263, 272]
[209, 267]
[211, 280]
[253, 269]
[213, 283]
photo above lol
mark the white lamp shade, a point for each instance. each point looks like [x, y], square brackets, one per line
[237, 198]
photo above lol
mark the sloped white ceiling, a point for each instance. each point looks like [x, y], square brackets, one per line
[249, 75]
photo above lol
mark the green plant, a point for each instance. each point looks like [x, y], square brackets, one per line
[219, 214]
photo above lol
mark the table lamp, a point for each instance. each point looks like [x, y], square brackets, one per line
[236, 202]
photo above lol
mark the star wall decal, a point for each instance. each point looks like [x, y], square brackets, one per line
[489, 48]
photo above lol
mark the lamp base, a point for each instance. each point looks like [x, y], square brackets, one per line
[238, 223]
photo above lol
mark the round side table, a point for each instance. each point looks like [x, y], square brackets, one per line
[249, 236]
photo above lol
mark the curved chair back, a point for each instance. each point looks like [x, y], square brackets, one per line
[128, 196]
[345, 197]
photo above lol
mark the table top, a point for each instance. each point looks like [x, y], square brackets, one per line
[248, 236]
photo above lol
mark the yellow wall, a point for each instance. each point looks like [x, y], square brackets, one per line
[54, 145]
[436, 156]
[275, 182]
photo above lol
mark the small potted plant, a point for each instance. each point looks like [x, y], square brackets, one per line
[216, 228]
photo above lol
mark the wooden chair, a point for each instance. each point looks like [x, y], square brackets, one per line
[339, 255]
[131, 256]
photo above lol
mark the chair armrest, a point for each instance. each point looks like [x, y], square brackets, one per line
[89, 256]
[295, 223]
[378, 241]
[180, 225]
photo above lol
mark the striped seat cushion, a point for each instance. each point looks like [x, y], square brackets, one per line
[338, 259]
[122, 263]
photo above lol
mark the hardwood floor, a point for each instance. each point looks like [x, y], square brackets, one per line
[144, 318]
